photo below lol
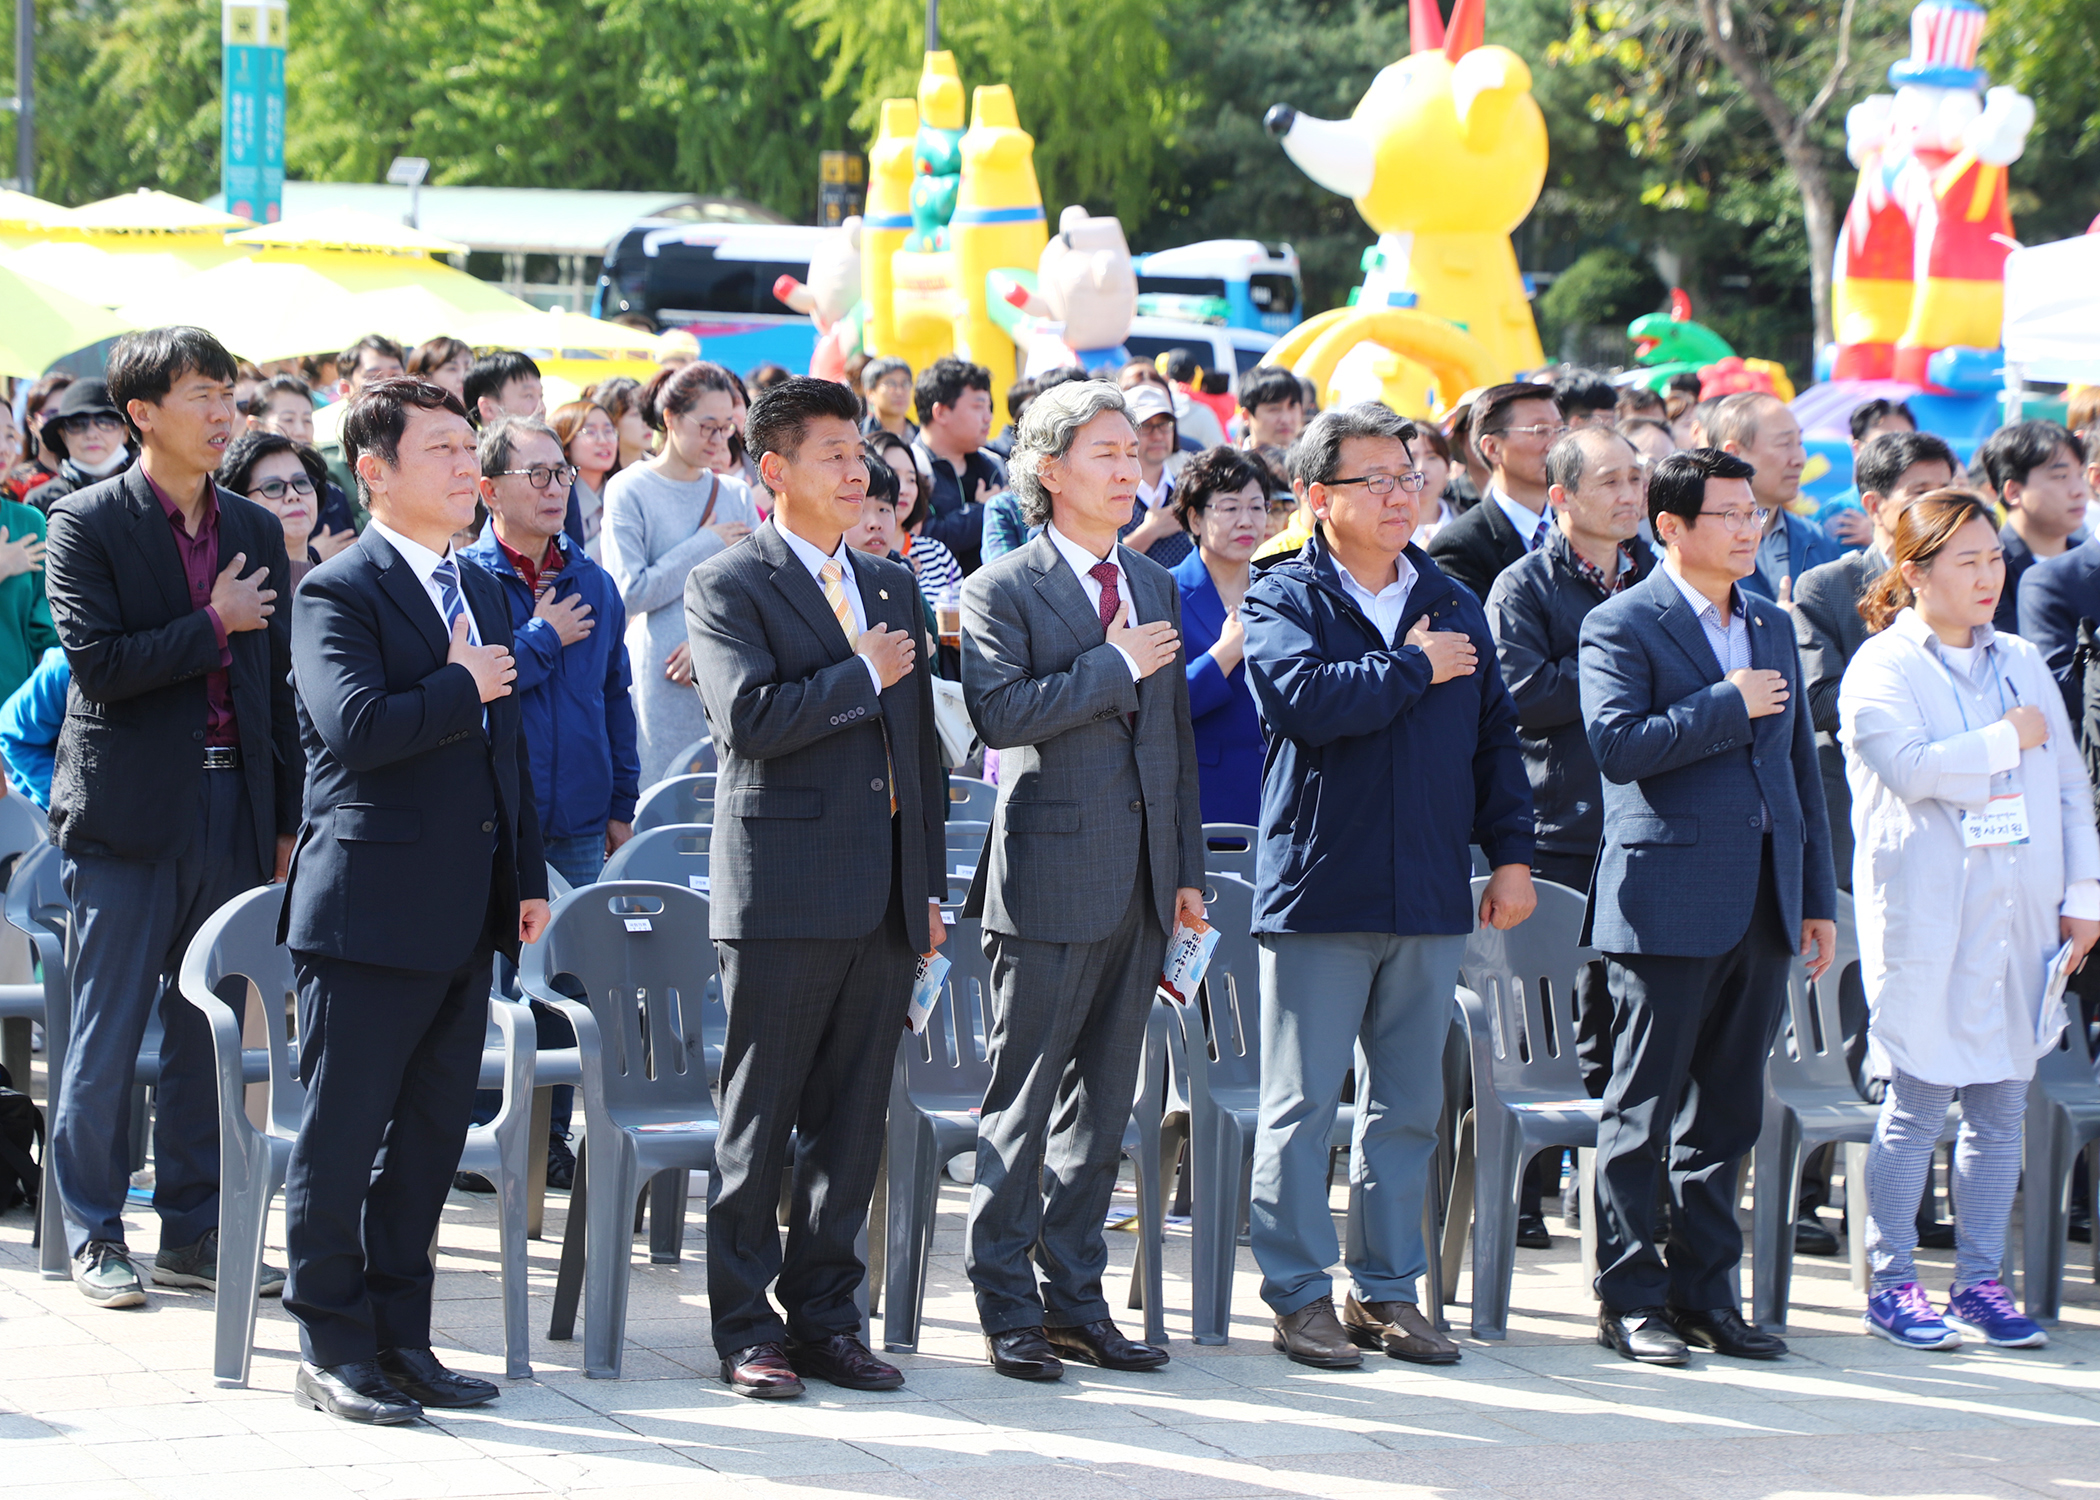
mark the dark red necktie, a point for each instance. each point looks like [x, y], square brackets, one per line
[1104, 573]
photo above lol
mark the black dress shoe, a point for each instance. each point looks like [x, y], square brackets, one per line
[843, 1360]
[1938, 1236]
[2081, 1228]
[1102, 1343]
[418, 1372]
[357, 1391]
[763, 1372]
[561, 1164]
[1531, 1232]
[1723, 1330]
[1811, 1238]
[1023, 1354]
[1643, 1335]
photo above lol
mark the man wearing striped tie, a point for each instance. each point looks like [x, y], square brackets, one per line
[419, 857]
[828, 862]
[1513, 426]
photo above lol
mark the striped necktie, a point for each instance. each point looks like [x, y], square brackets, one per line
[833, 574]
[1538, 537]
[452, 604]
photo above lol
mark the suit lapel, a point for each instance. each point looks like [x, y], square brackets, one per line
[399, 582]
[803, 592]
[149, 530]
[1512, 545]
[1060, 590]
[1684, 628]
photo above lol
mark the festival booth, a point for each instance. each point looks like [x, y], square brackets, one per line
[2052, 315]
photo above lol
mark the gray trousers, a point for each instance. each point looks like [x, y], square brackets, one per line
[1388, 1002]
[1068, 1031]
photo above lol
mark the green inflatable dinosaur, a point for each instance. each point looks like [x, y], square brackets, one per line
[1672, 344]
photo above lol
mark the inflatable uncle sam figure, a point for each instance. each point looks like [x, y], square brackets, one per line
[1921, 262]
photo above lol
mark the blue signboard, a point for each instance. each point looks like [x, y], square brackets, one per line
[251, 110]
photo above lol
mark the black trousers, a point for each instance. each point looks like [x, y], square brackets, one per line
[813, 1030]
[390, 1058]
[1687, 1080]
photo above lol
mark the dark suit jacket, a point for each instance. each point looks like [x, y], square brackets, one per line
[2055, 594]
[1685, 768]
[802, 844]
[131, 752]
[419, 827]
[1077, 782]
[1475, 548]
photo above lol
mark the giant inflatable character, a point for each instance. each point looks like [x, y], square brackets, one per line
[1076, 308]
[832, 298]
[1444, 156]
[1921, 261]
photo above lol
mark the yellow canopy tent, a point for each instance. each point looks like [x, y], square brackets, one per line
[150, 211]
[345, 229]
[40, 324]
[580, 349]
[278, 304]
[25, 220]
[116, 270]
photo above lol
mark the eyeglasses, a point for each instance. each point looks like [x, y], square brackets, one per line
[714, 429]
[1383, 484]
[277, 489]
[1740, 521]
[1536, 429]
[93, 421]
[545, 476]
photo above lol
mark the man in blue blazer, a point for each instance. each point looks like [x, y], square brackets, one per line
[420, 857]
[1715, 866]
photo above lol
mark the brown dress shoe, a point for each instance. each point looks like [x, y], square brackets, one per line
[1398, 1328]
[843, 1360]
[1314, 1336]
[761, 1371]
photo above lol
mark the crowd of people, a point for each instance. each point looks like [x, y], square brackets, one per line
[388, 631]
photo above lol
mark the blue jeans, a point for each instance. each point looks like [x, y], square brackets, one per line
[578, 860]
[1324, 997]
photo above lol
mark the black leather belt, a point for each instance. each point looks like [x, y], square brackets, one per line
[222, 757]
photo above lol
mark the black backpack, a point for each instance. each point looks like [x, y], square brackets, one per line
[21, 1127]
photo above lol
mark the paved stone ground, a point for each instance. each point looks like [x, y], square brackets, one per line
[97, 1404]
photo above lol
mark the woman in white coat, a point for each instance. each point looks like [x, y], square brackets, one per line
[1975, 861]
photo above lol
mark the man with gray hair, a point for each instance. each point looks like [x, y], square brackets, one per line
[1072, 670]
[1391, 751]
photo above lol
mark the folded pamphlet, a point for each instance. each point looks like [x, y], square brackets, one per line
[1188, 955]
[926, 991]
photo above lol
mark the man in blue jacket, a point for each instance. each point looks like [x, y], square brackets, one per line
[1715, 869]
[1393, 747]
[572, 670]
[29, 725]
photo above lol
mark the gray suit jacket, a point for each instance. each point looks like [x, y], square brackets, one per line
[1077, 784]
[801, 845]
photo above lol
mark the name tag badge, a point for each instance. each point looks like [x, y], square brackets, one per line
[2003, 821]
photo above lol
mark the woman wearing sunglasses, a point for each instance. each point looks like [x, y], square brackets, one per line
[285, 478]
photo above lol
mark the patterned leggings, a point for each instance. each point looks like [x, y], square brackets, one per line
[1986, 1171]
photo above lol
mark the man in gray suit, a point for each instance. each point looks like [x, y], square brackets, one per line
[1072, 671]
[828, 867]
[1715, 870]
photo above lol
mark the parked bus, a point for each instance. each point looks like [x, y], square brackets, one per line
[1236, 283]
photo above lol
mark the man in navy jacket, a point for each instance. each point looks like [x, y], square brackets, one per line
[1715, 868]
[1393, 747]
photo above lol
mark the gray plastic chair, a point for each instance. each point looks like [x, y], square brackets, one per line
[1229, 848]
[36, 903]
[640, 953]
[1518, 1000]
[938, 1083]
[971, 800]
[237, 947]
[2063, 1119]
[22, 829]
[966, 843]
[677, 799]
[693, 759]
[674, 854]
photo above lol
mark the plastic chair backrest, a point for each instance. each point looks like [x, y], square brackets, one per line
[1229, 849]
[675, 854]
[36, 896]
[971, 800]
[677, 799]
[638, 955]
[693, 759]
[22, 825]
[1525, 978]
[557, 884]
[965, 842]
[1228, 1052]
[1810, 1050]
[2067, 1067]
[237, 946]
[949, 1068]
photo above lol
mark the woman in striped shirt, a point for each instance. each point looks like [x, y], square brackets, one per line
[939, 574]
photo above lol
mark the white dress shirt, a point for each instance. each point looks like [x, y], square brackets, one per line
[423, 562]
[1526, 521]
[1081, 561]
[1730, 639]
[1155, 498]
[1385, 607]
[814, 560]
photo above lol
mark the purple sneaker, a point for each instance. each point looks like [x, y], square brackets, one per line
[1903, 1315]
[1985, 1311]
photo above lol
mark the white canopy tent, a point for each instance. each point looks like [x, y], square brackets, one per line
[2052, 312]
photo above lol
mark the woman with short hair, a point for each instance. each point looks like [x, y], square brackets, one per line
[592, 444]
[1223, 502]
[286, 479]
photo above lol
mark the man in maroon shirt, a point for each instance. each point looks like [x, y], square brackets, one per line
[176, 788]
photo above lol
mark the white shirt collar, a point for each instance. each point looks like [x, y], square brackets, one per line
[811, 558]
[1155, 498]
[420, 559]
[1524, 520]
[1402, 585]
[1701, 605]
[1081, 561]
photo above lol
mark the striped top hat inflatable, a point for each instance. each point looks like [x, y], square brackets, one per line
[1943, 38]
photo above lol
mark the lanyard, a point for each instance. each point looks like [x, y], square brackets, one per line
[1990, 656]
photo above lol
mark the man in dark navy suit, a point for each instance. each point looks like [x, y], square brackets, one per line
[420, 858]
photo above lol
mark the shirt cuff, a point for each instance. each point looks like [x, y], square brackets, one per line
[1130, 662]
[2001, 747]
[2082, 901]
[873, 675]
[218, 628]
